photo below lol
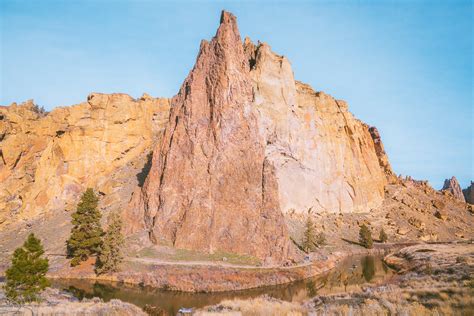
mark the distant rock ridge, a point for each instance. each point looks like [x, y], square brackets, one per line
[469, 193]
[452, 186]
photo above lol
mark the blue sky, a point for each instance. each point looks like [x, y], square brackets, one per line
[403, 66]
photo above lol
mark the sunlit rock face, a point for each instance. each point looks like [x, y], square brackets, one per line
[48, 159]
[211, 187]
[324, 158]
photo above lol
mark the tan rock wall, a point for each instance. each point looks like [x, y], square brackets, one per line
[48, 160]
[325, 159]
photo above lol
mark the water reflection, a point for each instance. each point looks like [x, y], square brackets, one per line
[349, 275]
[368, 267]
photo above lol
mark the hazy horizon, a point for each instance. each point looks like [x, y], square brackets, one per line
[405, 68]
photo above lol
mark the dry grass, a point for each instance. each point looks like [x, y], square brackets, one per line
[254, 307]
[175, 254]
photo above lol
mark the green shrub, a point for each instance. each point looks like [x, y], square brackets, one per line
[383, 236]
[365, 237]
[309, 238]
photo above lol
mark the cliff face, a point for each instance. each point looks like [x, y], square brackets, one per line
[469, 193]
[452, 186]
[47, 160]
[325, 159]
[211, 187]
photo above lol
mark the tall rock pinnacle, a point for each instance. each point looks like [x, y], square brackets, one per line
[452, 185]
[210, 187]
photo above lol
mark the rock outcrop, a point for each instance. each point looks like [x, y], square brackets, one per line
[210, 187]
[324, 158]
[469, 193]
[48, 159]
[452, 186]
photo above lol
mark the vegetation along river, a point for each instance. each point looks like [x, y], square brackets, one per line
[350, 274]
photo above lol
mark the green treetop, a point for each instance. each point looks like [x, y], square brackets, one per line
[86, 233]
[26, 277]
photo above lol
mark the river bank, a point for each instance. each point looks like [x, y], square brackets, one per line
[349, 274]
[434, 279]
[212, 277]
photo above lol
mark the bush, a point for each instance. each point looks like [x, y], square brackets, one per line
[383, 236]
[309, 238]
[321, 239]
[85, 238]
[365, 237]
[26, 277]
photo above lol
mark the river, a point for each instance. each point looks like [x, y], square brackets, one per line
[350, 274]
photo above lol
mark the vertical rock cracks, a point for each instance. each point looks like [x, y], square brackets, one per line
[210, 187]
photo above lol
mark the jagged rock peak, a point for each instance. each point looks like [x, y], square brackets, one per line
[452, 185]
[469, 193]
[210, 187]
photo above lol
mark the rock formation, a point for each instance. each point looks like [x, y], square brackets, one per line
[324, 158]
[211, 187]
[48, 159]
[469, 193]
[452, 186]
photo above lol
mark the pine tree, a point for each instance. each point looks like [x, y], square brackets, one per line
[365, 237]
[383, 236]
[26, 277]
[110, 254]
[86, 233]
[309, 238]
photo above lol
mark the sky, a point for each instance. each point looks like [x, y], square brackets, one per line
[403, 66]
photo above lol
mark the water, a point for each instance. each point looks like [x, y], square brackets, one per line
[351, 274]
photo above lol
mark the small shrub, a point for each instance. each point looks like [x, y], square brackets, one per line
[321, 239]
[383, 236]
[309, 238]
[365, 237]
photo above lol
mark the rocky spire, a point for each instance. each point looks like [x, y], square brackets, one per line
[452, 185]
[210, 187]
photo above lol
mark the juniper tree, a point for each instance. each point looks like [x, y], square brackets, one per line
[309, 238]
[86, 233]
[383, 235]
[365, 237]
[26, 277]
[110, 253]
